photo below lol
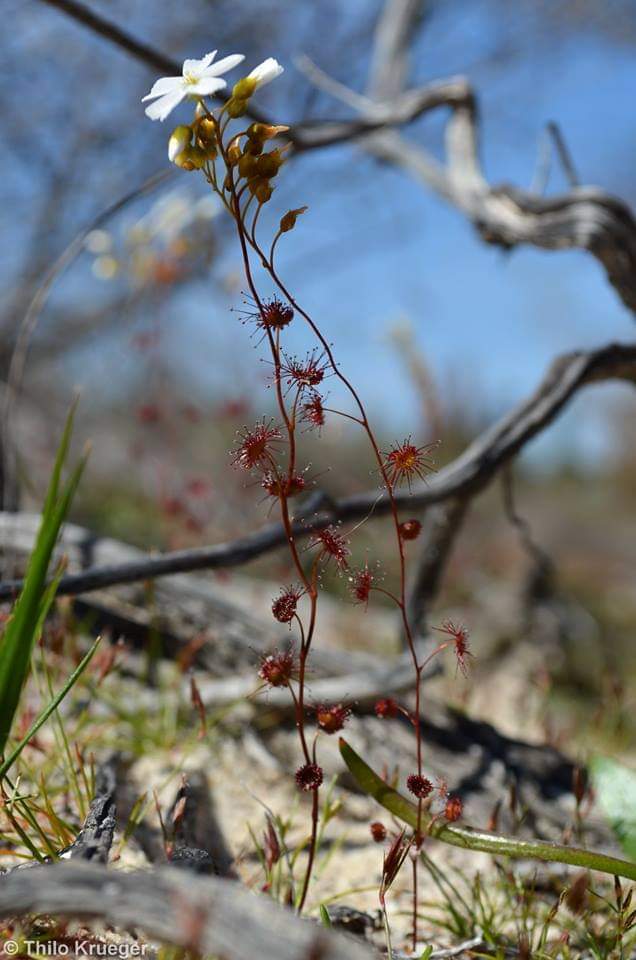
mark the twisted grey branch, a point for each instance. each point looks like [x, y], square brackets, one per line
[464, 477]
[210, 915]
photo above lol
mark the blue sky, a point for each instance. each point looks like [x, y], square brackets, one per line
[377, 248]
[380, 248]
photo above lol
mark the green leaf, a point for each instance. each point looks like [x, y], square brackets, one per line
[60, 460]
[324, 916]
[615, 789]
[28, 614]
[472, 839]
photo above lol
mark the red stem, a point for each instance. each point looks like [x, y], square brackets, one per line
[401, 601]
[309, 584]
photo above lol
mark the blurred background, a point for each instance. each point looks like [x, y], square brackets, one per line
[441, 333]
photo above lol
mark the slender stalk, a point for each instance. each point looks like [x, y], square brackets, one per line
[312, 850]
[290, 426]
[387, 929]
[388, 484]
[248, 242]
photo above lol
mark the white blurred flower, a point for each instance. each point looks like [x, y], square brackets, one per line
[98, 241]
[207, 207]
[105, 267]
[199, 78]
[265, 72]
[172, 214]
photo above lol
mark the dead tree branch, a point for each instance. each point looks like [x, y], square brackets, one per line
[209, 915]
[587, 217]
[466, 476]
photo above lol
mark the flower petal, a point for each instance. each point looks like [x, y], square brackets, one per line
[162, 86]
[196, 67]
[222, 66]
[206, 86]
[266, 71]
[160, 109]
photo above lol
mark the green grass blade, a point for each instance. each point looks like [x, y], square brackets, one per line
[471, 839]
[324, 916]
[49, 709]
[60, 459]
[22, 629]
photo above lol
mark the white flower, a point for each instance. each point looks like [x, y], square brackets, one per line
[200, 78]
[265, 72]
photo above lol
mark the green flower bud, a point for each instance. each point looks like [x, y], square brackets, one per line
[191, 158]
[244, 89]
[248, 165]
[180, 138]
[206, 136]
[236, 107]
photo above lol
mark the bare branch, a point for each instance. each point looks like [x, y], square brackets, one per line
[209, 915]
[104, 28]
[393, 34]
[541, 562]
[585, 218]
[304, 136]
[465, 477]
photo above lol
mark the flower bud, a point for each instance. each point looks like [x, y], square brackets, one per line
[269, 164]
[244, 89]
[254, 147]
[206, 136]
[180, 138]
[264, 73]
[264, 192]
[260, 188]
[288, 221]
[234, 154]
[236, 106]
[265, 131]
[247, 165]
[190, 158]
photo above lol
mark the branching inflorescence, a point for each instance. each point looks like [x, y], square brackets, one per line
[241, 168]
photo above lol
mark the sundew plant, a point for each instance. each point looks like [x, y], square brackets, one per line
[241, 163]
[241, 160]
